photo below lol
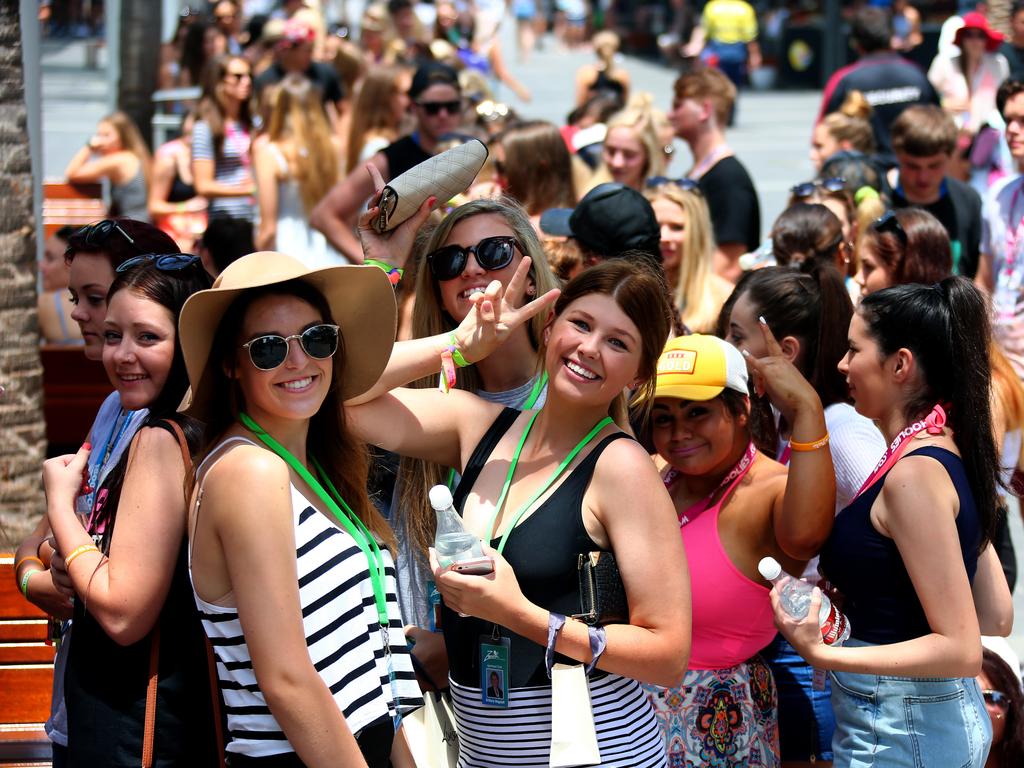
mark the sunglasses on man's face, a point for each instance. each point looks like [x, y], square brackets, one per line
[165, 262]
[492, 253]
[434, 108]
[808, 188]
[95, 235]
[270, 351]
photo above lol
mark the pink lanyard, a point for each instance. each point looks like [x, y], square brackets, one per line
[706, 164]
[241, 141]
[785, 454]
[933, 423]
[729, 482]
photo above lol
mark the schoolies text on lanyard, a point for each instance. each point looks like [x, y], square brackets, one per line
[933, 423]
[355, 528]
[729, 482]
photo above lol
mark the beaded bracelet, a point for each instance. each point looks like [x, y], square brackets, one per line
[814, 445]
[79, 551]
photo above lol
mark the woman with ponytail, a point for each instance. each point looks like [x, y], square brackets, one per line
[911, 553]
[808, 311]
[604, 77]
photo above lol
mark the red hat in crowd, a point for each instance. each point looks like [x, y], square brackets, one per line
[296, 32]
[975, 20]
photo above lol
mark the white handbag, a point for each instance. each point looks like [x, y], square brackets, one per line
[430, 733]
[444, 175]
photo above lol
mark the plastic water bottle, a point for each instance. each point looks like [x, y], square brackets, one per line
[796, 599]
[452, 541]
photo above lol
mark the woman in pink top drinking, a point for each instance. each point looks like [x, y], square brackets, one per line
[735, 505]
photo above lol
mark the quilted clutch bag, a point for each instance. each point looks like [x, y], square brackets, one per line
[444, 175]
[602, 595]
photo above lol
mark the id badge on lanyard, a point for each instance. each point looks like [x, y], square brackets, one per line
[494, 668]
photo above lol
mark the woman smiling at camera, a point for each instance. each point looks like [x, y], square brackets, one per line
[542, 488]
[136, 633]
[290, 561]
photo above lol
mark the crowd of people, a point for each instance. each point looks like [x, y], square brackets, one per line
[640, 399]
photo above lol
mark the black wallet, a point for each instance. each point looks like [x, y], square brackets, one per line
[602, 595]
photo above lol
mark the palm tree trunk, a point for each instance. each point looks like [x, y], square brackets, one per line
[22, 429]
[140, 62]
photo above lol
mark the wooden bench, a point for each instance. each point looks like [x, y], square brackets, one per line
[74, 387]
[71, 204]
[26, 676]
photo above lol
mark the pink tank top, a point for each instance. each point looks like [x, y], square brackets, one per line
[732, 616]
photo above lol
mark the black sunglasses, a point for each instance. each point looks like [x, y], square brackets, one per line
[95, 235]
[808, 188]
[434, 107]
[268, 352]
[888, 222]
[684, 183]
[492, 253]
[165, 262]
[996, 699]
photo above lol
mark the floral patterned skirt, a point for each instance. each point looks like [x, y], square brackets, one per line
[721, 718]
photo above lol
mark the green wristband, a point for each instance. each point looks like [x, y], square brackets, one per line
[25, 578]
[457, 357]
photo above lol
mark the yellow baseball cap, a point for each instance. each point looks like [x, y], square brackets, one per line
[700, 367]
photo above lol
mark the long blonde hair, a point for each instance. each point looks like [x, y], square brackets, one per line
[429, 318]
[131, 140]
[692, 293]
[641, 117]
[296, 113]
[371, 111]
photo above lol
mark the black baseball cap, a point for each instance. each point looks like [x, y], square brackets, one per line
[610, 219]
[433, 73]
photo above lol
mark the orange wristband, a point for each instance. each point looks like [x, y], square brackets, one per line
[808, 447]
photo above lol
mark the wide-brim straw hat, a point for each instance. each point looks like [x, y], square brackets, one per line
[362, 304]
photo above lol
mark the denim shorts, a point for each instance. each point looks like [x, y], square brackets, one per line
[916, 722]
[805, 715]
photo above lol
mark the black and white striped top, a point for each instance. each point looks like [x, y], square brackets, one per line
[343, 637]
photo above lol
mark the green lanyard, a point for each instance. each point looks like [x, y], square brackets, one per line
[538, 387]
[348, 519]
[547, 483]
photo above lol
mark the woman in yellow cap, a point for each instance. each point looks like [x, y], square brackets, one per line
[734, 506]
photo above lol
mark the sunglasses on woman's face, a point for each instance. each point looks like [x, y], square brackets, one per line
[270, 351]
[996, 699]
[492, 253]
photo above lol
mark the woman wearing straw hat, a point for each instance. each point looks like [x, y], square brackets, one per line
[291, 564]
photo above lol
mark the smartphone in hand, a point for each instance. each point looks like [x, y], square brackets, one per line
[477, 566]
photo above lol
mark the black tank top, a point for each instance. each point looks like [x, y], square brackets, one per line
[879, 597]
[543, 551]
[180, 191]
[403, 155]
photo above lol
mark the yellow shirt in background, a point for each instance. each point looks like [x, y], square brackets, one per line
[729, 21]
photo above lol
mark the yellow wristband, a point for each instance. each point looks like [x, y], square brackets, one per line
[76, 552]
[17, 565]
[821, 442]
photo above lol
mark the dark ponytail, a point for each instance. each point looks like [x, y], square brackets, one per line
[809, 302]
[946, 327]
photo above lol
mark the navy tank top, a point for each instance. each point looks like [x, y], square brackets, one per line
[867, 568]
[543, 551]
